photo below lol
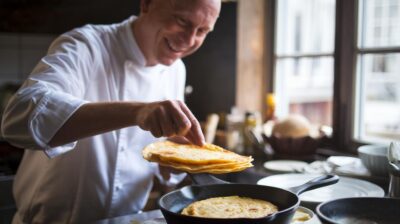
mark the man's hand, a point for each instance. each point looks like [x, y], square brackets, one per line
[170, 118]
[164, 118]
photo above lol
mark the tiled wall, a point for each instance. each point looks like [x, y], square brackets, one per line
[19, 53]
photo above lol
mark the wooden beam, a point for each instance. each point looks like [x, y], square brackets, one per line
[251, 80]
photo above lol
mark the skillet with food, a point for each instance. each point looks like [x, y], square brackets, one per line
[262, 204]
[287, 201]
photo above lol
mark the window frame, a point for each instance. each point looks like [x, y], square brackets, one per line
[309, 55]
[345, 65]
[361, 52]
[348, 59]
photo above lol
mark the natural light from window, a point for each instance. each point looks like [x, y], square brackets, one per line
[304, 59]
[378, 71]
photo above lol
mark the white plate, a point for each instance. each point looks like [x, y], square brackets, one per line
[285, 166]
[346, 187]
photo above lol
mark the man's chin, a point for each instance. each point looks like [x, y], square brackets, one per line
[168, 61]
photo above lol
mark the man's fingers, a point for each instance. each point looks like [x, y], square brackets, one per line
[179, 140]
[181, 121]
[194, 134]
[155, 127]
[170, 118]
[166, 123]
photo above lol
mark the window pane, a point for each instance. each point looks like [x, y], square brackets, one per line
[305, 86]
[379, 97]
[305, 26]
[380, 23]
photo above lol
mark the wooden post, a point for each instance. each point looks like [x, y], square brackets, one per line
[251, 83]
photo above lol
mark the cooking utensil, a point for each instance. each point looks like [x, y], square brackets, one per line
[394, 156]
[171, 204]
[394, 186]
[360, 210]
[255, 138]
[394, 162]
[260, 148]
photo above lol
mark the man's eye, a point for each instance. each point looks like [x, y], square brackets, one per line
[181, 21]
[202, 32]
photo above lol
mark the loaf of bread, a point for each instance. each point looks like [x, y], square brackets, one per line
[293, 126]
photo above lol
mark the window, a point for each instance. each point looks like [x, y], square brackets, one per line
[304, 65]
[336, 62]
[377, 111]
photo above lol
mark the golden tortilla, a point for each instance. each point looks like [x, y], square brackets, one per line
[192, 154]
[195, 159]
[230, 207]
[214, 169]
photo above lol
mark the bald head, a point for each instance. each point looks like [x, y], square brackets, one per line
[212, 5]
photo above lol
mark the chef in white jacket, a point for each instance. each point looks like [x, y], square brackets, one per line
[93, 102]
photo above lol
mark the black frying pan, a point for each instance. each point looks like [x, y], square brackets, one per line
[171, 204]
[360, 210]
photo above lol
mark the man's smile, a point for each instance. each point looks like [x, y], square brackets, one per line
[173, 47]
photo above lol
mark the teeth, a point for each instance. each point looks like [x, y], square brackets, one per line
[172, 46]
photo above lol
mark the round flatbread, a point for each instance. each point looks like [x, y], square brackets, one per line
[214, 169]
[195, 159]
[230, 207]
[192, 154]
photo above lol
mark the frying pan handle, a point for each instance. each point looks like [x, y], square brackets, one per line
[315, 183]
[205, 179]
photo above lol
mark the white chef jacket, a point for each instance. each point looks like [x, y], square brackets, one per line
[97, 177]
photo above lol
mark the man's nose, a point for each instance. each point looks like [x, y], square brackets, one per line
[189, 37]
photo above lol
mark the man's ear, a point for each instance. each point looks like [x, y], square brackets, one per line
[144, 5]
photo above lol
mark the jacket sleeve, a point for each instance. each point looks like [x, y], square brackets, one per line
[51, 94]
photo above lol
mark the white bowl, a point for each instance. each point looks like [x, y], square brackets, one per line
[313, 218]
[374, 157]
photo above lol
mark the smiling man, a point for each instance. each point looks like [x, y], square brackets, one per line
[93, 102]
[173, 29]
